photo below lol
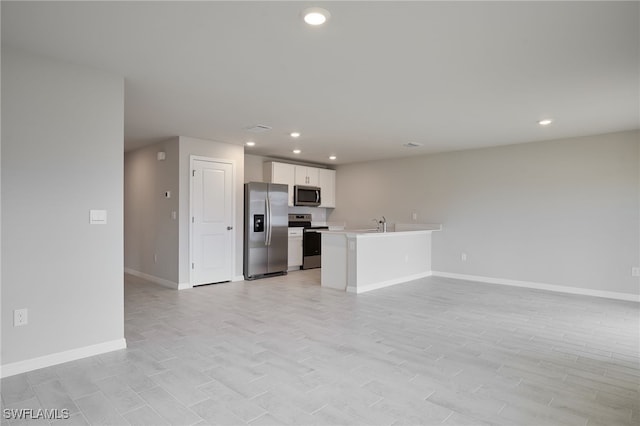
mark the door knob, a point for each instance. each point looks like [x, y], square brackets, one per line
[229, 228]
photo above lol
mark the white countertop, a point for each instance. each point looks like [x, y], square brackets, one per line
[375, 234]
[334, 226]
[397, 229]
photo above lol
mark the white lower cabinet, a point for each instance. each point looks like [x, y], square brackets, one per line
[295, 249]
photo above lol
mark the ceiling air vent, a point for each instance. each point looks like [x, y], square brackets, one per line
[412, 145]
[257, 128]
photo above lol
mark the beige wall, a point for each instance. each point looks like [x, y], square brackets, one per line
[216, 150]
[150, 232]
[564, 212]
[149, 227]
[253, 168]
[62, 155]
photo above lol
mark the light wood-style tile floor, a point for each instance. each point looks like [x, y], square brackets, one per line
[285, 351]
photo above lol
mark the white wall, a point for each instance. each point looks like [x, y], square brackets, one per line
[562, 212]
[62, 155]
[149, 227]
[206, 148]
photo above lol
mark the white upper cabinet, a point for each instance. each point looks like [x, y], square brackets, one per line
[291, 174]
[307, 176]
[327, 180]
[281, 173]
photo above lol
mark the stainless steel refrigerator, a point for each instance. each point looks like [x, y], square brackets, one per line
[265, 229]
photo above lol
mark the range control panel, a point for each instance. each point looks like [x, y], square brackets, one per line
[299, 220]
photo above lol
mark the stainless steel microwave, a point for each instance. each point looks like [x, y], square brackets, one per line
[306, 196]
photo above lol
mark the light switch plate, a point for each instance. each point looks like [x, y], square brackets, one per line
[97, 217]
[20, 317]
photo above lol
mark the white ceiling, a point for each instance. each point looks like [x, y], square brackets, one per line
[448, 75]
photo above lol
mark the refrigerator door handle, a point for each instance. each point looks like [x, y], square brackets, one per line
[267, 234]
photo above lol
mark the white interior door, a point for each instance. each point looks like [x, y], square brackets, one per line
[212, 233]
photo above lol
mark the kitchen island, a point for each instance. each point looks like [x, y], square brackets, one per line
[362, 260]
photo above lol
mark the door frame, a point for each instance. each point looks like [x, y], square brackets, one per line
[192, 159]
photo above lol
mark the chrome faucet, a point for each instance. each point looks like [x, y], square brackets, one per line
[381, 224]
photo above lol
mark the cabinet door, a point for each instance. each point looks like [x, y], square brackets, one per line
[327, 180]
[313, 176]
[307, 176]
[301, 175]
[295, 253]
[284, 173]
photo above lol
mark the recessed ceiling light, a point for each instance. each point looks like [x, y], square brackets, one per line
[296, 151]
[315, 16]
[332, 157]
[545, 122]
[250, 143]
[295, 134]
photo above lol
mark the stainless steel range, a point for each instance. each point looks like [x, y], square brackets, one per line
[311, 240]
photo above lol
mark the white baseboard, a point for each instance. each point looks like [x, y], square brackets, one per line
[19, 367]
[157, 280]
[541, 286]
[362, 289]
[167, 283]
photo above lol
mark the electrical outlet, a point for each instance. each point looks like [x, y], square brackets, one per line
[155, 258]
[463, 256]
[414, 216]
[635, 271]
[20, 317]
